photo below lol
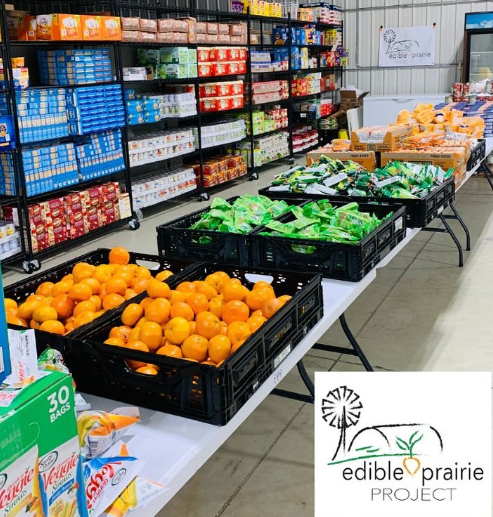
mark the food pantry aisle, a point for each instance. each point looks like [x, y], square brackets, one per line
[418, 315]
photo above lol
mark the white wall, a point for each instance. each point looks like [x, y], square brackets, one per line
[363, 68]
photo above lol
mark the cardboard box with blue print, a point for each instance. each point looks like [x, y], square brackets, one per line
[7, 133]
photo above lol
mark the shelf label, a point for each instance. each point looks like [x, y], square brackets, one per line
[280, 358]
[398, 224]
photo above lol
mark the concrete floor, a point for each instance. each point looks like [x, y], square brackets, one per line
[411, 318]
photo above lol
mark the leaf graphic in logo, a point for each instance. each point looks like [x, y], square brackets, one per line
[403, 446]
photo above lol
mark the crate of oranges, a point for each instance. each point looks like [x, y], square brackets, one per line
[199, 347]
[65, 299]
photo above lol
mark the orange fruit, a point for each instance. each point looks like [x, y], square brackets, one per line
[46, 301]
[84, 318]
[35, 298]
[69, 327]
[136, 345]
[93, 284]
[102, 292]
[124, 269]
[45, 288]
[204, 288]
[64, 305]
[183, 310]
[9, 303]
[229, 281]
[11, 311]
[116, 285]
[235, 311]
[132, 314]
[158, 310]
[151, 334]
[284, 298]
[164, 275]
[62, 287]
[42, 314]
[68, 277]
[26, 309]
[209, 362]
[157, 289]
[129, 294]
[177, 296]
[198, 302]
[177, 330]
[112, 300]
[216, 306]
[216, 280]
[195, 347]
[256, 298]
[115, 341]
[170, 351]
[192, 326]
[147, 370]
[102, 273]
[219, 348]
[270, 307]
[238, 333]
[224, 328]
[96, 301]
[127, 277]
[234, 291]
[80, 292]
[254, 322]
[141, 322]
[119, 255]
[262, 285]
[121, 332]
[145, 302]
[34, 325]
[142, 272]
[140, 284]
[186, 287]
[53, 326]
[256, 313]
[81, 271]
[208, 325]
[84, 306]
[134, 334]
[14, 320]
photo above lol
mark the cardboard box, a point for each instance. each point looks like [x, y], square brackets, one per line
[58, 27]
[111, 28]
[443, 160]
[392, 140]
[39, 436]
[349, 99]
[91, 27]
[365, 159]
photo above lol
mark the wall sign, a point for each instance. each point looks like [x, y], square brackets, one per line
[407, 46]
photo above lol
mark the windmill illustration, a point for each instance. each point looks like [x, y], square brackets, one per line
[342, 409]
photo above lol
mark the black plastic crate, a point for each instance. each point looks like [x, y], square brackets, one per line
[478, 154]
[24, 288]
[332, 259]
[202, 392]
[176, 239]
[419, 212]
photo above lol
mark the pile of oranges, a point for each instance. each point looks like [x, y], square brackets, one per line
[201, 321]
[83, 295]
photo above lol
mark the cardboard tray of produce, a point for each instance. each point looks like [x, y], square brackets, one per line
[26, 287]
[332, 259]
[208, 393]
[419, 212]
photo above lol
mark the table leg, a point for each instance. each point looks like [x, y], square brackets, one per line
[462, 223]
[448, 230]
[354, 351]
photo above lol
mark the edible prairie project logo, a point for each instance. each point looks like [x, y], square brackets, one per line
[402, 445]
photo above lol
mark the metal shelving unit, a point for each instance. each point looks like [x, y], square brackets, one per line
[149, 9]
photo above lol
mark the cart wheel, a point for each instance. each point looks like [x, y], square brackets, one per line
[204, 196]
[134, 224]
[253, 176]
[30, 266]
[291, 161]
